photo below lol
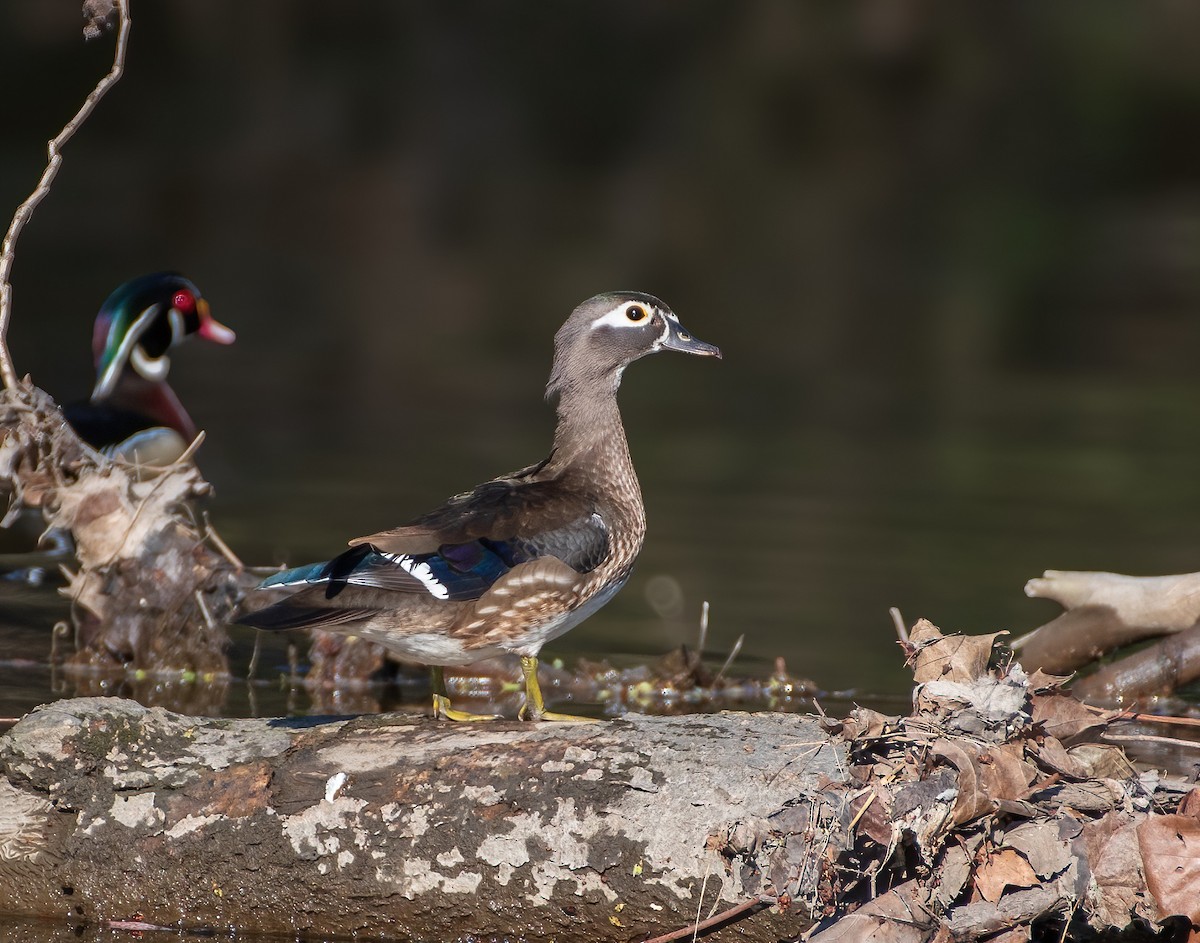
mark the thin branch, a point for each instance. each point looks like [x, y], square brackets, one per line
[8, 373]
[723, 917]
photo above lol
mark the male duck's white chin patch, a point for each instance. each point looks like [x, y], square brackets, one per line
[149, 368]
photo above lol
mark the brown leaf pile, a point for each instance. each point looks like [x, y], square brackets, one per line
[986, 810]
[149, 591]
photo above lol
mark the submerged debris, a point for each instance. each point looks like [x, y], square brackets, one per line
[349, 673]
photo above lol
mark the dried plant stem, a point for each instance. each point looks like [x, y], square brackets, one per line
[8, 372]
[724, 916]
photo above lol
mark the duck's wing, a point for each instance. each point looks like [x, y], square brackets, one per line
[457, 553]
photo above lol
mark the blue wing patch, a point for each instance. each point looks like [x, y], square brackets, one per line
[454, 572]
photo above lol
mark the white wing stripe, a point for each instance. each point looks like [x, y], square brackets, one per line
[421, 572]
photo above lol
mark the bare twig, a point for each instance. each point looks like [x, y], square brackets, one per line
[8, 373]
[1132, 716]
[733, 653]
[223, 548]
[723, 917]
[898, 622]
[1148, 738]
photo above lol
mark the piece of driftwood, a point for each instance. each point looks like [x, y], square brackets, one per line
[1106, 611]
[991, 807]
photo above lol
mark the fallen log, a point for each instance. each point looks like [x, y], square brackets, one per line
[991, 808]
[391, 825]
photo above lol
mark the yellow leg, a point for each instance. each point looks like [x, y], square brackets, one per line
[441, 702]
[535, 707]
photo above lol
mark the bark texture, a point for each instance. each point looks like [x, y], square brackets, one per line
[392, 825]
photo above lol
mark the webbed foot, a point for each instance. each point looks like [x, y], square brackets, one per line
[535, 707]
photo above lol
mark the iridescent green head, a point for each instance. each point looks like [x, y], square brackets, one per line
[141, 321]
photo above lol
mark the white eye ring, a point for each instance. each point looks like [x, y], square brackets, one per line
[635, 313]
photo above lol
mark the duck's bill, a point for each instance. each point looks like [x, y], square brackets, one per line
[210, 328]
[679, 339]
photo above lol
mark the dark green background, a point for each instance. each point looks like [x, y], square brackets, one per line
[951, 252]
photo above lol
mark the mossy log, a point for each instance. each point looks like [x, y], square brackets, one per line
[391, 825]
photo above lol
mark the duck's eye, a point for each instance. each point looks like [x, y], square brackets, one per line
[635, 313]
[183, 302]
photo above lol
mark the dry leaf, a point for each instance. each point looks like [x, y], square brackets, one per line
[886, 919]
[962, 658]
[972, 801]
[1040, 681]
[1052, 755]
[1116, 893]
[1042, 845]
[1170, 846]
[1101, 761]
[1190, 805]
[1066, 717]
[953, 873]
[1005, 867]
[1004, 772]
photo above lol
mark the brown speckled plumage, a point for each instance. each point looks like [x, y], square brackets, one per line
[520, 559]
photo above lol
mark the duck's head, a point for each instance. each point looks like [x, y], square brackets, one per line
[610, 331]
[141, 321]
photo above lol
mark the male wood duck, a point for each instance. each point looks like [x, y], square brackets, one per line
[524, 557]
[132, 412]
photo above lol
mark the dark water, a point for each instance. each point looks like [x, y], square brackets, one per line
[953, 262]
[956, 282]
[952, 258]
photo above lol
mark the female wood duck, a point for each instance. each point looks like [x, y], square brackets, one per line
[522, 558]
[133, 413]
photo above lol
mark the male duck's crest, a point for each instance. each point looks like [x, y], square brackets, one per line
[141, 321]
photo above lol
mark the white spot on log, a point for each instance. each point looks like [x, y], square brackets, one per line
[642, 779]
[136, 810]
[418, 822]
[333, 785]
[448, 859]
[189, 824]
[310, 831]
[415, 876]
[511, 849]
[344, 858]
[483, 795]
[557, 766]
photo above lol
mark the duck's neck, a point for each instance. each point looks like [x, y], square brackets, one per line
[590, 433]
[154, 399]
